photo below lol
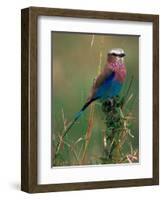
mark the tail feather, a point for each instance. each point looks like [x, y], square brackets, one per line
[78, 115]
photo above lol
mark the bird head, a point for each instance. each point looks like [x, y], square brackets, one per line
[116, 56]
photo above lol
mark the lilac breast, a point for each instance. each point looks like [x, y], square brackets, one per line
[120, 72]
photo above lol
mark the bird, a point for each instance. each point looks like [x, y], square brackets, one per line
[107, 84]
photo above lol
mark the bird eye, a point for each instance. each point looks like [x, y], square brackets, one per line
[121, 55]
[117, 55]
[114, 54]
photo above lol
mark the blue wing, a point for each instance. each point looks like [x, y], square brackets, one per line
[109, 88]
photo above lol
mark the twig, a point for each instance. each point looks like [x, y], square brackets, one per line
[91, 116]
[73, 151]
[63, 118]
[92, 41]
[88, 132]
[131, 81]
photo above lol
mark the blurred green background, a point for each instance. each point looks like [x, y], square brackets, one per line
[76, 58]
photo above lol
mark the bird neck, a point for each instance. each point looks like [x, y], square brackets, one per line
[118, 67]
[117, 64]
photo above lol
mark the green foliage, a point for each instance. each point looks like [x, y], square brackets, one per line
[117, 133]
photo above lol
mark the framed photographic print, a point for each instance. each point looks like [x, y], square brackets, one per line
[90, 99]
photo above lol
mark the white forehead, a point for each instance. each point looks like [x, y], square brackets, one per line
[116, 51]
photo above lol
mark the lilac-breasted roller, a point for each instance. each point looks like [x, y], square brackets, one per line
[108, 83]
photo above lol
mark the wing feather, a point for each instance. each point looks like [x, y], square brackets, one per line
[98, 81]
